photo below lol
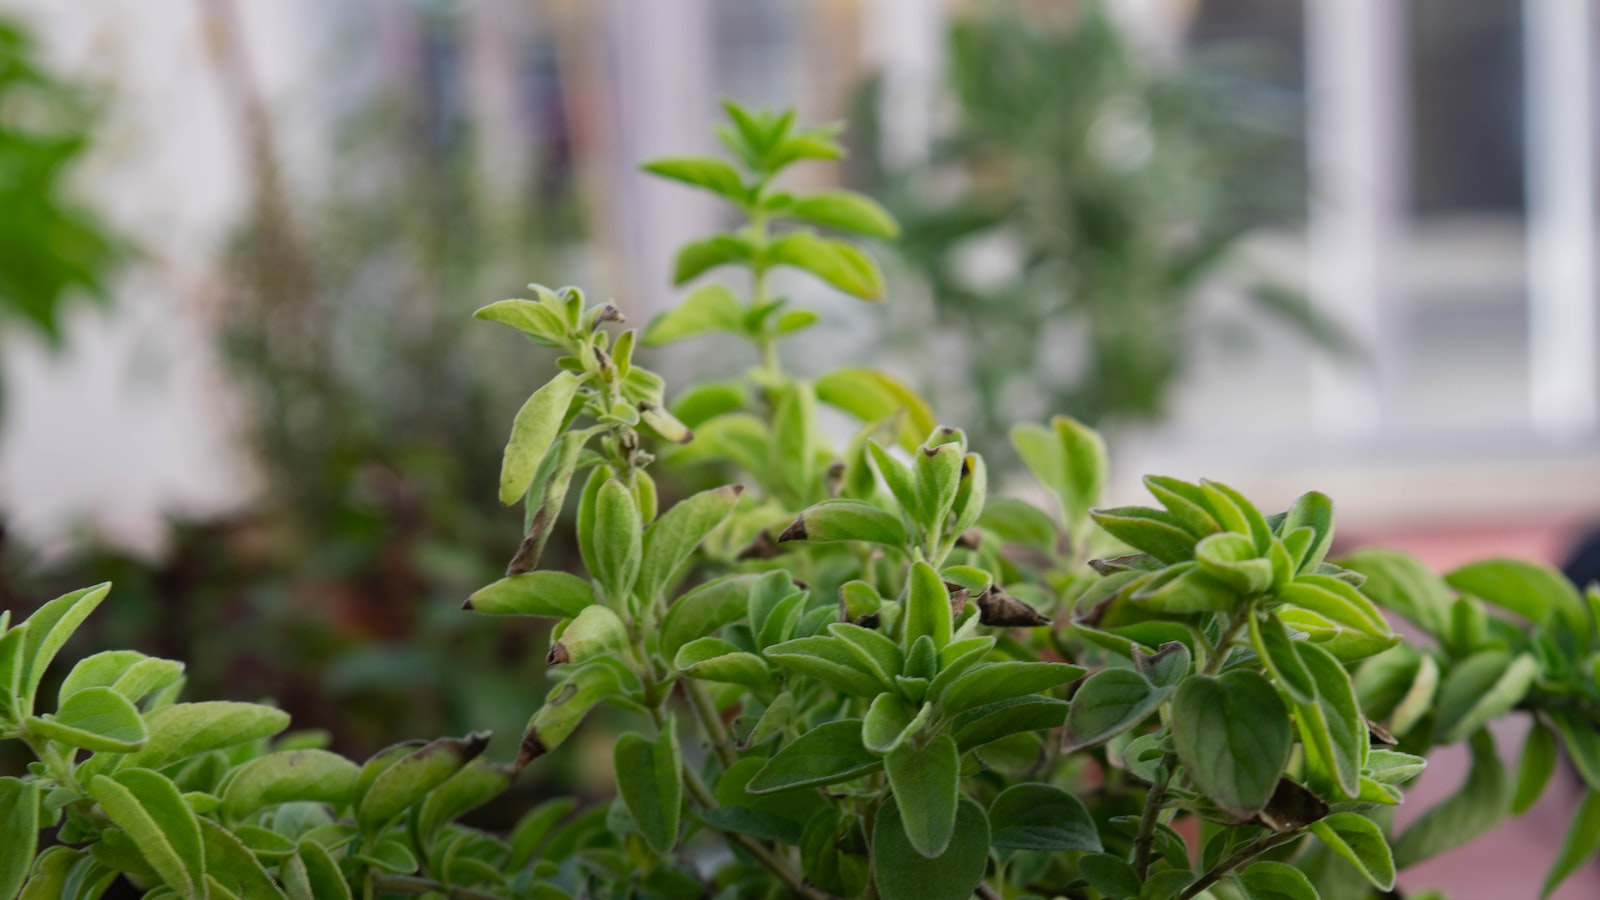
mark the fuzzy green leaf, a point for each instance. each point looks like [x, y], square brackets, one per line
[874, 396]
[532, 432]
[290, 775]
[992, 682]
[47, 630]
[1275, 647]
[1539, 759]
[618, 542]
[1232, 734]
[557, 595]
[149, 808]
[827, 754]
[650, 780]
[1332, 729]
[408, 780]
[96, 718]
[1041, 817]
[1110, 702]
[19, 829]
[1482, 687]
[183, 730]
[847, 520]
[1360, 841]
[902, 873]
[1271, 880]
[1475, 808]
[926, 780]
[671, 539]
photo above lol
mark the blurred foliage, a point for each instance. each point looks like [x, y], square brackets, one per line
[1078, 206]
[51, 247]
[345, 331]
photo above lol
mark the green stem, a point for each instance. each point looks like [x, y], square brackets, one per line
[1219, 653]
[1236, 860]
[711, 722]
[59, 767]
[414, 886]
[1144, 843]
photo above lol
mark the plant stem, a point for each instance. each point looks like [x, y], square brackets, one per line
[410, 884]
[703, 796]
[1144, 843]
[1236, 860]
[711, 722]
[1219, 654]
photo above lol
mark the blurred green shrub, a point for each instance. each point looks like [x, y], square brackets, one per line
[1104, 195]
[52, 248]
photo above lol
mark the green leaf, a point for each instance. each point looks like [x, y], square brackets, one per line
[96, 718]
[557, 595]
[1537, 593]
[650, 780]
[1360, 841]
[1110, 702]
[712, 307]
[1187, 503]
[291, 775]
[927, 606]
[1538, 764]
[824, 858]
[1041, 817]
[1034, 712]
[1069, 458]
[51, 872]
[704, 610]
[130, 672]
[539, 321]
[713, 175]
[47, 630]
[1332, 730]
[1474, 809]
[992, 682]
[12, 662]
[937, 473]
[1581, 843]
[1019, 522]
[1232, 734]
[889, 722]
[618, 542]
[902, 873]
[671, 539]
[1393, 767]
[840, 264]
[877, 653]
[1166, 667]
[148, 807]
[1582, 742]
[19, 829]
[316, 875]
[532, 432]
[184, 730]
[1400, 582]
[1277, 649]
[1335, 601]
[1271, 880]
[1482, 687]
[845, 210]
[699, 257]
[828, 660]
[1315, 511]
[874, 396]
[1185, 588]
[1152, 531]
[546, 496]
[408, 780]
[1110, 875]
[231, 866]
[927, 786]
[714, 659]
[846, 520]
[1234, 560]
[476, 784]
[534, 826]
[827, 754]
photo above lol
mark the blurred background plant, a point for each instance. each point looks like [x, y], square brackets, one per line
[1081, 204]
[54, 248]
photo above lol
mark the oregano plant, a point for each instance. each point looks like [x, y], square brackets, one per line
[849, 671]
